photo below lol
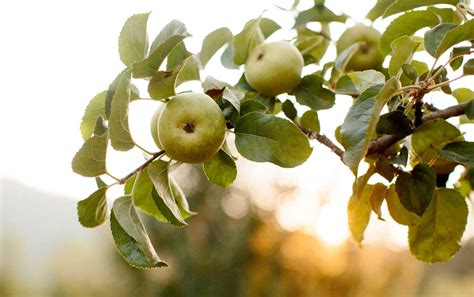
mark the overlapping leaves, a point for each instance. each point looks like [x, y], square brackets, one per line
[361, 121]
[261, 136]
[131, 238]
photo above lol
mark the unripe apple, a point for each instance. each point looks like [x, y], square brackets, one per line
[154, 125]
[369, 55]
[191, 128]
[274, 68]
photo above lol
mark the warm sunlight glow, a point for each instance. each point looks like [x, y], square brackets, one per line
[331, 225]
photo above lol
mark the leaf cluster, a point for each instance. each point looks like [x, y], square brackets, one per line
[389, 126]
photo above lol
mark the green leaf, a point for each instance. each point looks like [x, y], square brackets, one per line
[378, 9]
[410, 22]
[227, 58]
[465, 184]
[363, 80]
[405, 5]
[312, 45]
[188, 71]
[163, 83]
[361, 120]
[247, 40]
[459, 34]
[345, 85]
[89, 161]
[345, 56]
[268, 27]
[401, 158]
[100, 127]
[181, 200]
[168, 33]
[397, 211]
[415, 190]
[171, 35]
[458, 52]
[128, 187]
[177, 56]
[233, 96]
[420, 67]
[436, 238]
[130, 236]
[410, 71]
[133, 39]
[142, 196]
[126, 215]
[94, 110]
[100, 183]
[460, 152]
[251, 106]
[310, 121]
[403, 49]
[255, 31]
[358, 213]
[432, 133]
[384, 167]
[310, 92]
[134, 93]
[318, 13]
[394, 123]
[220, 169]
[377, 197]
[434, 36]
[212, 43]
[468, 68]
[211, 83]
[119, 130]
[92, 211]
[463, 95]
[289, 109]
[266, 138]
[165, 200]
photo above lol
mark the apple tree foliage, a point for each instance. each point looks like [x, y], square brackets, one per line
[389, 126]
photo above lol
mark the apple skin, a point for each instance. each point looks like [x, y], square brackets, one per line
[274, 68]
[191, 128]
[154, 125]
[369, 55]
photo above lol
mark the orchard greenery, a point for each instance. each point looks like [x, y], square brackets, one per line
[389, 126]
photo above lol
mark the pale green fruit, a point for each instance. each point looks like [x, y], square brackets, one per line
[369, 55]
[191, 128]
[154, 125]
[274, 68]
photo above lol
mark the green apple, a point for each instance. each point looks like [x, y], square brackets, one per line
[369, 55]
[274, 68]
[154, 125]
[191, 128]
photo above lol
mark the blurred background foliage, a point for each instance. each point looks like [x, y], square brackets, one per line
[231, 248]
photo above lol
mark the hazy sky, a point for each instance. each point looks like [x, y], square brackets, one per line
[56, 55]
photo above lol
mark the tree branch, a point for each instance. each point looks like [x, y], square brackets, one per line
[324, 140]
[141, 167]
[452, 111]
[381, 144]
